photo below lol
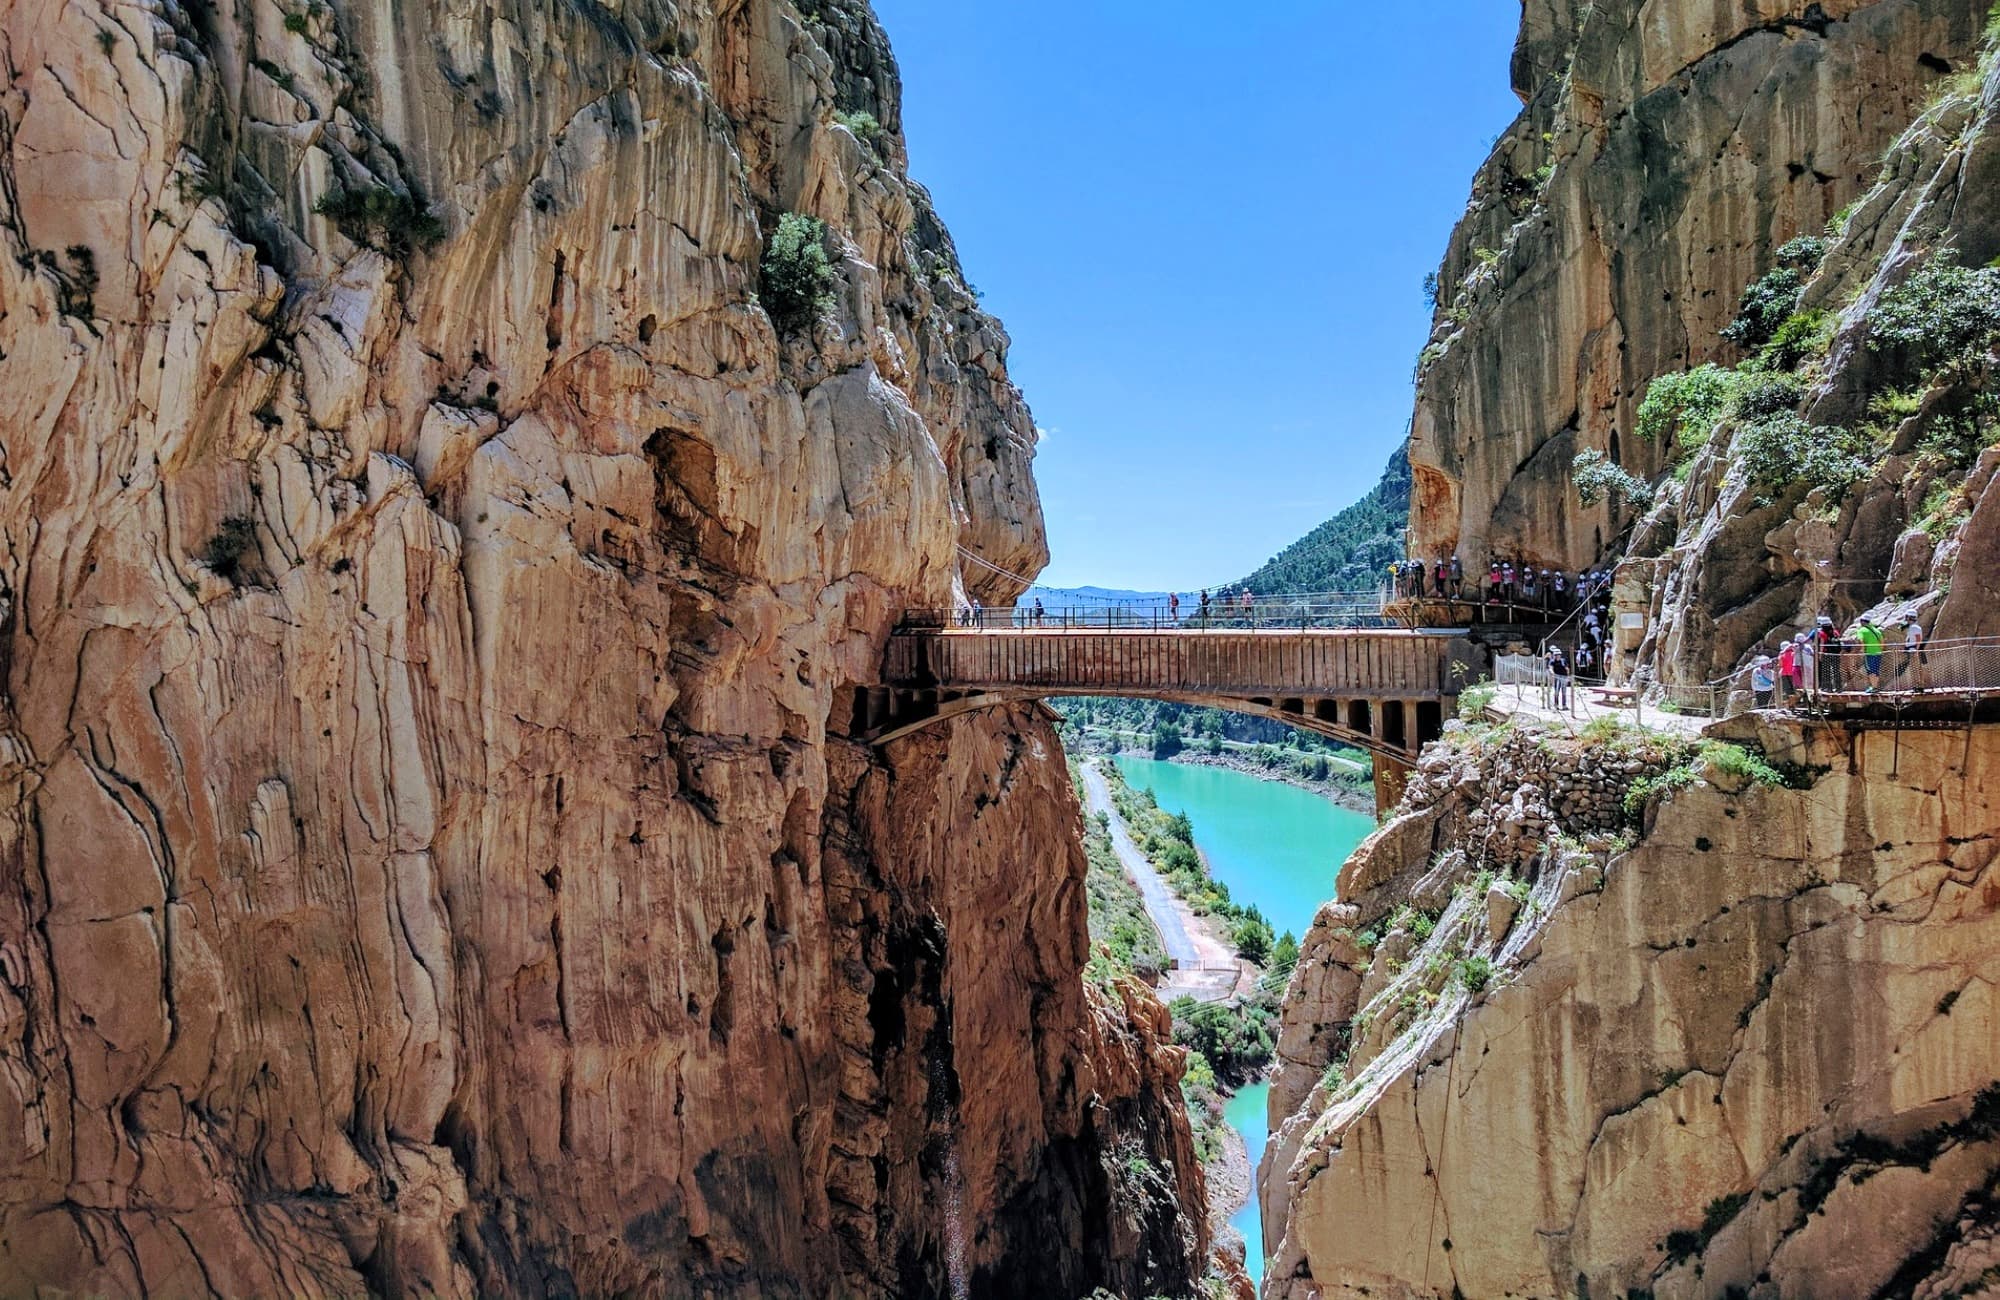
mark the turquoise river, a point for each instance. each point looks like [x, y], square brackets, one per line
[1276, 846]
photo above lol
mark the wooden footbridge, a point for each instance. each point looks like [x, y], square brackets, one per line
[1386, 690]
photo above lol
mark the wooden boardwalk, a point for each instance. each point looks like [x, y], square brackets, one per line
[1385, 690]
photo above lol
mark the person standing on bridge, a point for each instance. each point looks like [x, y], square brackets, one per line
[1559, 676]
[1915, 654]
[1441, 579]
[1870, 638]
[1173, 607]
[1788, 670]
[1204, 607]
[1507, 581]
[1038, 611]
[1763, 681]
[1249, 605]
[1457, 578]
[1808, 661]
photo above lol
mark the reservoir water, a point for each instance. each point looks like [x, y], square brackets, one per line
[1274, 845]
[1245, 1112]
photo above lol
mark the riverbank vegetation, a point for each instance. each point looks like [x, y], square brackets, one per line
[1229, 1043]
[1168, 840]
[1123, 940]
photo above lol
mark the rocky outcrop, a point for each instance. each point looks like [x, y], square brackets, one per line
[1751, 1054]
[431, 599]
[1664, 151]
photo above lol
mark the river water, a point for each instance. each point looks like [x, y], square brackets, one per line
[1274, 845]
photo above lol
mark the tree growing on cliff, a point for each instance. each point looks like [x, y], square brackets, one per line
[1599, 478]
[796, 287]
[1944, 319]
[1771, 299]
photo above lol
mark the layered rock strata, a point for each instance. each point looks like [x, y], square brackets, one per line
[1751, 1054]
[433, 594]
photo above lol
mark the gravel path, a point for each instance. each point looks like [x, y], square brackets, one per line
[1205, 969]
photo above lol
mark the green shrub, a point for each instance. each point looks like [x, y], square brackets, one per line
[1769, 395]
[1736, 760]
[1599, 478]
[1678, 777]
[1943, 317]
[864, 126]
[1944, 506]
[1685, 407]
[1472, 701]
[295, 23]
[381, 218]
[1783, 450]
[797, 283]
[1474, 972]
[234, 538]
[1770, 300]
[1252, 936]
[1802, 336]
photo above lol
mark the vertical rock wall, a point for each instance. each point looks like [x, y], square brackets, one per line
[1664, 150]
[431, 593]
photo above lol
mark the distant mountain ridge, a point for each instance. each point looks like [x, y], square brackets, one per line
[1352, 550]
[1073, 597]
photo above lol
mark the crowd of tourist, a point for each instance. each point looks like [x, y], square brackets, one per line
[1507, 582]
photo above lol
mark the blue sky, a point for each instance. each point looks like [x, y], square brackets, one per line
[1206, 228]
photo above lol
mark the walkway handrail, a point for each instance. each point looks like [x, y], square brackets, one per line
[1323, 609]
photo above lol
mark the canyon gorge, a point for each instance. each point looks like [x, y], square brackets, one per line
[460, 462]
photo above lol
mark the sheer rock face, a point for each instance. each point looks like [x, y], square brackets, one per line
[1724, 565]
[1754, 1054]
[431, 864]
[1664, 150]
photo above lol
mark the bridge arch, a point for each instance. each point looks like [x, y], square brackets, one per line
[886, 717]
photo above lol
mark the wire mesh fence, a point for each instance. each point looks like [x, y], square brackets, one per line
[1825, 681]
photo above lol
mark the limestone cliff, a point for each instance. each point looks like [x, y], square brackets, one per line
[1880, 500]
[1604, 1016]
[1664, 151]
[431, 598]
[1751, 1054]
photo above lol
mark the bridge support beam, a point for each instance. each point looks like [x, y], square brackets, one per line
[1392, 775]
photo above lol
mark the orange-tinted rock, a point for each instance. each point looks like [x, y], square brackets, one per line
[432, 864]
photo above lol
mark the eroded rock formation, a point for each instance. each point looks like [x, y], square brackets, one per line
[433, 592]
[1744, 1043]
[1753, 1054]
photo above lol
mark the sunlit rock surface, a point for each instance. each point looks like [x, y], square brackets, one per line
[432, 862]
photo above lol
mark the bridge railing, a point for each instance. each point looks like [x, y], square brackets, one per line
[1936, 672]
[1933, 676]
[1362, 609]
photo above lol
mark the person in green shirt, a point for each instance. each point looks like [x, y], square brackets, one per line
[1870, 638]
